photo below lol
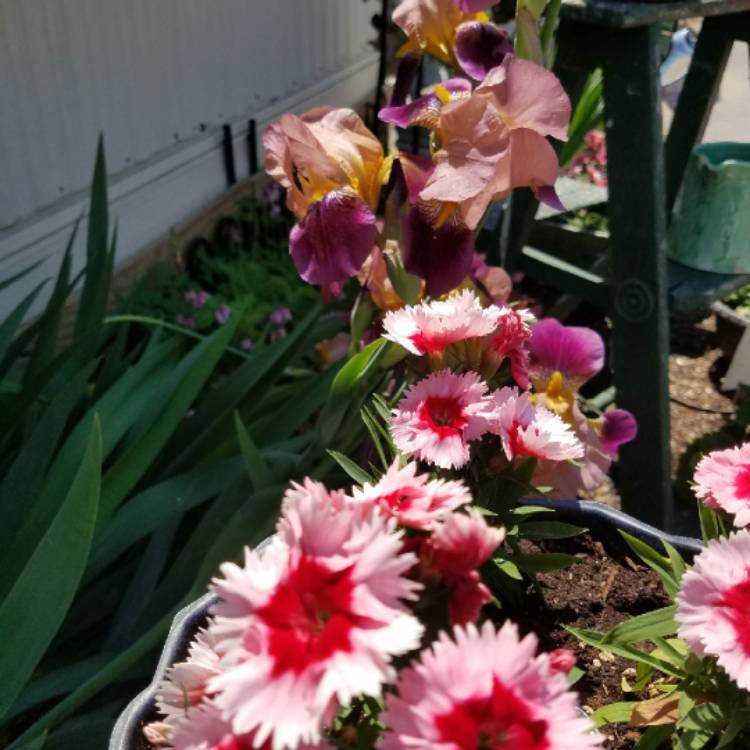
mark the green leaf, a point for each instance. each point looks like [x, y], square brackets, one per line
[592, 638]
[655, 561]
[119, 408]
[543, 562]
[35, 607]
[56, 683]
[93, 301]
[654, 624]
[257, 469]
[251, 380]
[509, 568]
[359, 475]
[156, 506]
[25, 476]
[613, 713]
[712, 527]
[704, 717]
[301, 406]
[347, 388]
[10, 325]
[190, 377]
[654, 737]
[95, 684]
[549, 530]
[5, 283]
[49, 329]
[36, 744]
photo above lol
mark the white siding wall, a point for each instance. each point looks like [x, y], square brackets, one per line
[158, 78]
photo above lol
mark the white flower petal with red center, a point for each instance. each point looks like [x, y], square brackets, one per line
[185, 683]
[413, 499]
[722, 480]
[484, 689]
[439, 416]
[713, 605]
[430, 327]
[313, 622]
[532, 431]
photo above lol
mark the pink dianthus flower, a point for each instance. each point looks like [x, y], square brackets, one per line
[313, 622]
[722, 481]
[439, 416]
[713, 605]
[430, 327]
[484, 688]
[413, 499]
[529, 430]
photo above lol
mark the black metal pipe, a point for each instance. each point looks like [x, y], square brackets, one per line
[227, 147]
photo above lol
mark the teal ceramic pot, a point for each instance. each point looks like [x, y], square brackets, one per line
[710, 227]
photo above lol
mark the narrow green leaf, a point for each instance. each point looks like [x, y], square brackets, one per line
[5, 283]
[348, 387]
[655, 561]
[190, 378]
[141, 587]
[36, 744]
[57, 683]
[549, 530]
[543, 562]
[251, 380]
[156, 506]
[118, 408]
[654, 737]
[93, 301]
[257, 468]
[49, 329]
[282, 423]
[10, 325]
[359, 475]
[24, 478]
[654, 624]
[594, 639]
[95, 684]
[375, 436]
[35, 607]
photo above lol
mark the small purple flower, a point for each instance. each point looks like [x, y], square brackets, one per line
[280, 316]
[196, 298]
[185, 321]
[247, 344]
[222, 314]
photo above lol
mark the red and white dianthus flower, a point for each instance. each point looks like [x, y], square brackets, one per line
[439, 416]
[430, 327]
[312, 622]
[722, 481]
[484, 688]
[713, 605]
[413, 499]
[206, 729]
[529, 430]
[185, 684]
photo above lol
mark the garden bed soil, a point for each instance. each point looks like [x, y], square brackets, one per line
[605, 588]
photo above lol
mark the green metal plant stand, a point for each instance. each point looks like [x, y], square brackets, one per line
[632, 284]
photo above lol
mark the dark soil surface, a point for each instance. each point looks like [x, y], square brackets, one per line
[597, 593]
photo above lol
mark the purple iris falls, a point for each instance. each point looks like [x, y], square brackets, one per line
[331, 243]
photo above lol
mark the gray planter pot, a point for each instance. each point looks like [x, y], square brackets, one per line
[602, 521]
